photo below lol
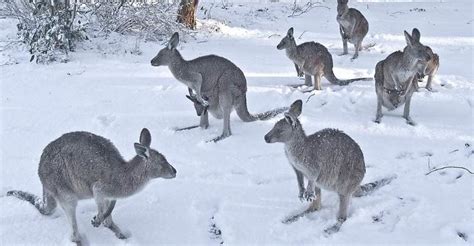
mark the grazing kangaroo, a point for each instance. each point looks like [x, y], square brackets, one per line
[396, 75]
[215, 78]
[432, 65]
[352, 25]
[313, 59]
[81, 165]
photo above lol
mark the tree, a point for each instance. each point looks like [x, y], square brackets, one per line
[186, 12]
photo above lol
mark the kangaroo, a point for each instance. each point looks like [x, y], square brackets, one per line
[313, 59]
[396, 75]
[215, 78]
[81, 165]
[328, 159]
[432, 65]
[352, 26]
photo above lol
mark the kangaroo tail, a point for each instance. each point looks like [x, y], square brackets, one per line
[334, 80]
[368, 188]
[45, 206]
[243, 112]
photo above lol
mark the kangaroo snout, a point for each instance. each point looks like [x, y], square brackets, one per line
[171, 174]
[267, 138]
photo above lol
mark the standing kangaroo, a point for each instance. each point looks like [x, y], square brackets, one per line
[432, 65]
[328, 159]
[352, 25]
[81, 165]
[219, 84]
[396, 75]
[313, 59]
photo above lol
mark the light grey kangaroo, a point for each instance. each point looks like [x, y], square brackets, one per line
[313, 59]
[352, 26]
[432, 65]
[81, 165]
[219, 84]
[395, 77]
[328, 159]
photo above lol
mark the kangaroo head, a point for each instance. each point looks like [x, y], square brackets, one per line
[418, 53]
[166, 55]
[155, 163]
[287, 41]
[197, 105]
[285, 128]
[342, 7]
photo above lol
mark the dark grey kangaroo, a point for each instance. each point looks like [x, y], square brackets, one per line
[352, 26]
[328, 159]
[219, 84]
[431, 67]
[395, 77]
[81, 165]
[313, 59]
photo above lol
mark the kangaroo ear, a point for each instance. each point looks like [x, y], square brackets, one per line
[408, 39]
[190, 98]
[141, 150]
[290, 119]
[145, 137]
[415, 34]
[290, 32]
[295, 108]
[173, 41]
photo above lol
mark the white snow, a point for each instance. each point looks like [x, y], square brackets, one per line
[246, 185]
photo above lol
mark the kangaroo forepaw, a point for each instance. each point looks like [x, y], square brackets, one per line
[301, 195]
[96, 221]
[309, 196]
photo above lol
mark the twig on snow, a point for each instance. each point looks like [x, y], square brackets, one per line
[446, 167]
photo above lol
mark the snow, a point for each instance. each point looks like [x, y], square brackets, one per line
[242, 186]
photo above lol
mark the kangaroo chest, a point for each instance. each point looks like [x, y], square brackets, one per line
[296, 159]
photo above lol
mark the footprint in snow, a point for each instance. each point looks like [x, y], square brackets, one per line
[105, 120]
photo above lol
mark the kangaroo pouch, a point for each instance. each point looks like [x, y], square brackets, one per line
[392, 99]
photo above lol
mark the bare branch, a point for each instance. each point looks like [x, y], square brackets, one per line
[446, 167]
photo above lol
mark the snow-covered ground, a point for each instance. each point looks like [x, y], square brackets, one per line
[242, 186]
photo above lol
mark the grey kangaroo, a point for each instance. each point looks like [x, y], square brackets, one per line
[313, 59]
[220, 86]
[328, 159]
[81, 165]
[352, 26]
[432, 65]
[395, 77]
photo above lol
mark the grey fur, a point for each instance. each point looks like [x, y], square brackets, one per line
[313, 59]
[81, 165]
[431, 67]
[215, 78]
[328, 159]
[396, 75]
[352, 26]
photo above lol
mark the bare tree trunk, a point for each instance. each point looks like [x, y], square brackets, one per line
[186, 13]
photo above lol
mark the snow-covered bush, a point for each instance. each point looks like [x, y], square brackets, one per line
[50, 29]
[149, 20]
[47, 30]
